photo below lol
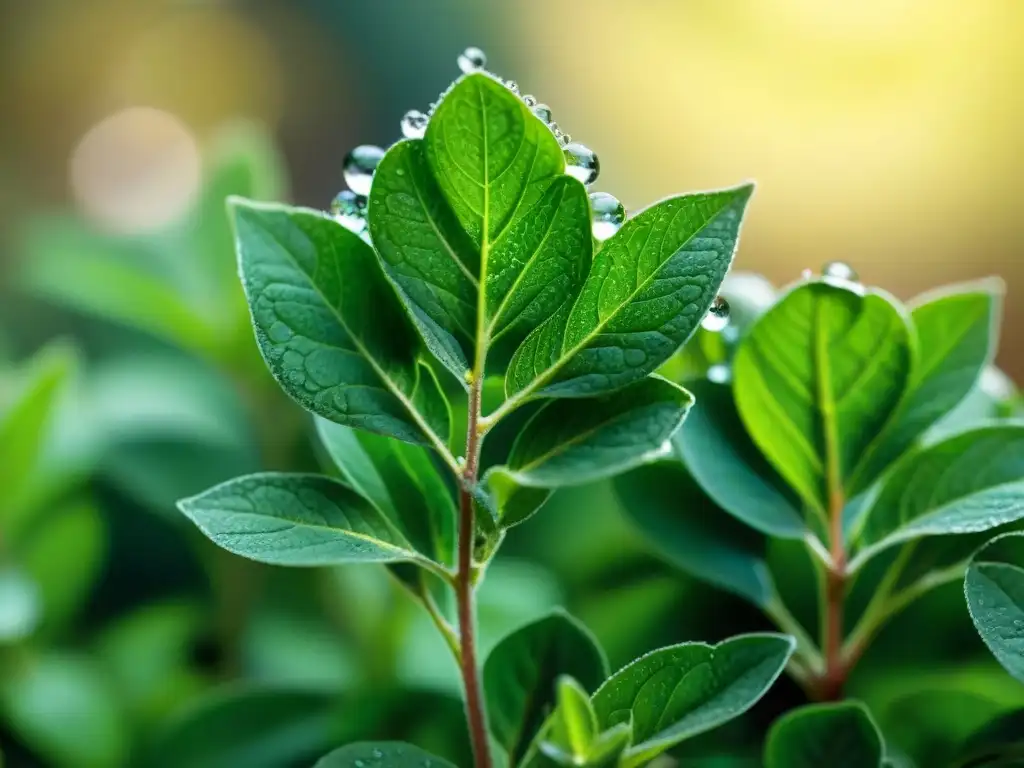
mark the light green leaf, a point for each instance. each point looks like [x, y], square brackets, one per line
[571, 737]
[521, 671]
[957, 330]
[816, 380]
[20, 607]
[402, 481]
[691, 532]
[648, 288]
[841, 735]
[298, 520]
[675, 693]
[721, 457]
[995, 598]
[968, 483]
[574, 726]
[381, 754]
[331, 328]
[249, 727]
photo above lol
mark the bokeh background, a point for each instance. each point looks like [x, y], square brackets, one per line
[885, 133]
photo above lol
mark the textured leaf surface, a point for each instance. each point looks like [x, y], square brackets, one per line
[968, 483]
[381, 754]
[521, 672]
[816, 380]
[331, 327]
[839, 735]
[677, 692]
[297, 520]
[721, 457]
[648, 288]
[995, 598]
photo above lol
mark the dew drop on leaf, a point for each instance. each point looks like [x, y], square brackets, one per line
[581, 163]
[349, 209]
[717, 317]
[529, 100]
[607, 215]
[543, 111]
[472, 59]
[512, 85]
[414, 124]
[840, 270]
[359, 166]
[720, 373]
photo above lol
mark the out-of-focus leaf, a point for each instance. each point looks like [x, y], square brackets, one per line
[20, 607]
[381, 754]
[999, 744]
[841, 735]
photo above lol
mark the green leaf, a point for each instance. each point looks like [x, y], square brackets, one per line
[817, 378]
[331, 328]
[402, 483]
[650, 285]
[675, 693]
[582, 441]
[691, 532]
[64, 710]
[19, 605]
[841, 735]
[998, 744]
[249, 727]
[575, 722]
[381, 754]
[571, 737]
[719, 453]
[957, 329]
[995, 598]
[968, 483]
[298, 520]
[521, 671]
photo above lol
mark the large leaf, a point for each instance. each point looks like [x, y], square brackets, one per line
[817, 378]
[249, 727]
[402, 481]
[678, 692]
[957, 329]
[330, 327]
[521, 671]
[692, 533]
[995, 598]
[719, 453]
[381, 754]
[298, 520]
[839, 735]
[968, 483]
[647, 291]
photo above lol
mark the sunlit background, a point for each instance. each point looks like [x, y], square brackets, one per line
[886, 133]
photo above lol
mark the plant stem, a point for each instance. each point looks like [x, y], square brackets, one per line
[806, 650]
[831, 684]
[464, 594]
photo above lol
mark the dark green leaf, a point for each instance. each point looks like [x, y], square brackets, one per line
[692, 533]
[839, 735]
[717, 450]
[381, 754]
[816, 380]
[520, 674]
[330, 326]
[957, 329]
[995, 598]
[298, 520]
[968, 483]
[678, 692]
[649, 287]
[999, 744]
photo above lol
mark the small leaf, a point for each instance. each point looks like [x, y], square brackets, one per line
[298, 520]
[675, 693]
[839, 735]
[692, 533]
[575, 723]
[520, 675]
[957, 329]
[330, 326]
[995, 598]
[816, 380]
[968, 483]
[381, 754]
[718, 452]
[648, 288]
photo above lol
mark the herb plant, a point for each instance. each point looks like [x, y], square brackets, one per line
[486, 335]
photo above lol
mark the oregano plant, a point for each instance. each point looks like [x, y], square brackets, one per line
[473, 330]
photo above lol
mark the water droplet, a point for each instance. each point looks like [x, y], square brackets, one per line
[359, 764]
[377, 754]
[359, 166]
[807, 274]
[349, 209]
[720, 373]
[414, 124]
[512, 85]
[543, 111]
[607, 215]
[717, 317]
[472, 59]
[529, 100]
[840, 270]
[581, 163]
[565, 139]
